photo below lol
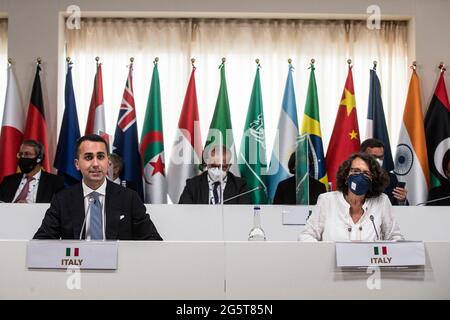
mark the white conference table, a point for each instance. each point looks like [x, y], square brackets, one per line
[194, 261]
[224, 270]
[209, 223]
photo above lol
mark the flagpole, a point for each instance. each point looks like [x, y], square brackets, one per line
[10, 61]
[349, 62]
[441, 67]
[375, 65]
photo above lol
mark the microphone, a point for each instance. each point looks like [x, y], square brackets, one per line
[90, 201]
[434, 200]
[374, 227]
[243, 193]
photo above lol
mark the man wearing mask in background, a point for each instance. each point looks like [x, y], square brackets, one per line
[206, 187]
[32, 185]
[397, 193]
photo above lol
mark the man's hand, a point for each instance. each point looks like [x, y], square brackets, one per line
[400, 194]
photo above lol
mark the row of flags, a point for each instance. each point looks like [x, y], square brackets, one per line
[421, 147]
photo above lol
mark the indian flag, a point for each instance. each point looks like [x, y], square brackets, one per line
[411, 160]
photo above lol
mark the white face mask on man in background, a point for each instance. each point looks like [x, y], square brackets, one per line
[216, 174]
[380, 162]
[218, 163]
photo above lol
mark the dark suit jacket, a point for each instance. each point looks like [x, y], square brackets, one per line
[64, 219]
[196, 190]
[285, 193]
[49, 184]
[440, 192]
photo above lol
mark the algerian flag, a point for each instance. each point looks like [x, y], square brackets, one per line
[152, 145]
[220, 131]
[252, 155]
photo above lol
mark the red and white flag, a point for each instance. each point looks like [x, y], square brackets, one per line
[12, 127]
[96, 118]
[187, 148]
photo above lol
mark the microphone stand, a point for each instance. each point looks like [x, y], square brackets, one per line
[90, 201]
[243, 193]
[434, 200]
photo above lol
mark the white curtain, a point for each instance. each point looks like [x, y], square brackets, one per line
[3, 63]
[176, 41]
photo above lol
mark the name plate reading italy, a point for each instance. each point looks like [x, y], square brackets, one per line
[296, 215]
[380, 254]
[62, 254]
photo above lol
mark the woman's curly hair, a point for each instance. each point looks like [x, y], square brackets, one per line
[380, 179]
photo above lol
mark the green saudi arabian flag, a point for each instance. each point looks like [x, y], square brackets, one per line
[252, 155]
[152, 145]
[220, 130]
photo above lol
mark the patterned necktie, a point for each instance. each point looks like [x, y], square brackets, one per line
[96, 225]
[22, 197]
[215, 193]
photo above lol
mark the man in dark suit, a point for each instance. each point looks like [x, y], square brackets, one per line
[285, 193]
[397, 195]
[206, 187]
[32, 185]
[96, 209]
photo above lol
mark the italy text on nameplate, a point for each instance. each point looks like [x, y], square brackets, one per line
[381, 254]
[60, 254]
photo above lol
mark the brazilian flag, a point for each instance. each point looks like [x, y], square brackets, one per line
[437, 131]
[311, 126]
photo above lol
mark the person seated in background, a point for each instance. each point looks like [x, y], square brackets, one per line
[206, 187]
[32, 185]
[397, 195]
[95, 208]
[444, 189]
[359, 210]
[115, 170]
[285, 193]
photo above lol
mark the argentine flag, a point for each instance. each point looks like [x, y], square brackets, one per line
[285, 138]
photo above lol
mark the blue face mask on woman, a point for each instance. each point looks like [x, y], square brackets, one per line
[359, 184]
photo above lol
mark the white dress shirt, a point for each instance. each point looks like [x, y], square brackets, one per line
[331, 220]
[86, 192]
[219, 190]
[32, 188]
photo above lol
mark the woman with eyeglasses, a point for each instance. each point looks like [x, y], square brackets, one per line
[358, 210]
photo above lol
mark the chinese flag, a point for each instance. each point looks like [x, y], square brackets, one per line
[345, 137]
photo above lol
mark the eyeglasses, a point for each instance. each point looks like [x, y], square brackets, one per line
[358, 171]
[25, 155]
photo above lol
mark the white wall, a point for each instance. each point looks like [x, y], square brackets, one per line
[35, 28]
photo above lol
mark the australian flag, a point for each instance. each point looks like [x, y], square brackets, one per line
[68, 136]
[126, 139]
[376, 123]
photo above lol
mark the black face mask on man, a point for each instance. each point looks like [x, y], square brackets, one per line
[27, 165]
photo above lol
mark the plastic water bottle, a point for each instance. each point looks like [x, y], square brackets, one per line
[257, 233]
